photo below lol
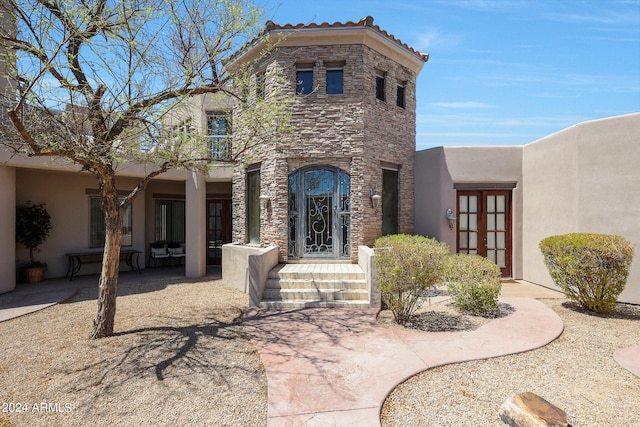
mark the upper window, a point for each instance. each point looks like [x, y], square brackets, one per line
[335, 72]
[400, 95]
[97, 226]
[219, 134]
[304, 79]
[261, 81]
[380, 79]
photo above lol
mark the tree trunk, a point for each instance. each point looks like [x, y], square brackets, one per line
[104, 323]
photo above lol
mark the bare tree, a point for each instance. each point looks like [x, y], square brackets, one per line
[95, 80]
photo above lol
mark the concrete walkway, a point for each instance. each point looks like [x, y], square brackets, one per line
[336, 367]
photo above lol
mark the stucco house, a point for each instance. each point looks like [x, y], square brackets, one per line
[349, 174]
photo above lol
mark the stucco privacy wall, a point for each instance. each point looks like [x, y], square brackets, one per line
[7, 229]
[583, 179]
[439, 170]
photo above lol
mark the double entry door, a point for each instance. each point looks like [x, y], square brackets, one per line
[484, 225]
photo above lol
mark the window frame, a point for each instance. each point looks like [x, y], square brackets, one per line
[97, 231]
[261, 85]
[401, 93]
[253, 205]
[301, 87]
[334, 68]
[381, 77]
[167, 232]
[219, 142]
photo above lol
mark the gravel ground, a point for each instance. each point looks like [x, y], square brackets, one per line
[576, 372]
[180, 357]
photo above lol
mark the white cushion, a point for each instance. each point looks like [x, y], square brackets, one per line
[176, 251]
[159, 252]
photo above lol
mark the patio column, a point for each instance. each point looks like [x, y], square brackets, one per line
[196, 233]
[7, 229]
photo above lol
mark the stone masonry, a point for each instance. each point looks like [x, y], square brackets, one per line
[353, 131]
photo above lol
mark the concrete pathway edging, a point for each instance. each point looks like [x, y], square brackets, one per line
[336, 367]
[629, 359]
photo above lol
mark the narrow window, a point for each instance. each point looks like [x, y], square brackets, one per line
[380, 78]
[253, 206]
[400, 95]
[390, 202]
[97, 225]
[304, 79]
[170, 221]
[335, 74]
[261, 81]
[219, 134]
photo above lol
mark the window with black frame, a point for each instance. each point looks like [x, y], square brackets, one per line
[304, 78]
[219, 134]
[97, 225]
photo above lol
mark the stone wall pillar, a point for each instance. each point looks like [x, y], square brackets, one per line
[196, 225]
[7, 229]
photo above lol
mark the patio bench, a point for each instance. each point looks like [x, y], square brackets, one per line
[165, 252]
[77, 259]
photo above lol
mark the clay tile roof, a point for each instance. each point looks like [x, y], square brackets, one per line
[364, 22]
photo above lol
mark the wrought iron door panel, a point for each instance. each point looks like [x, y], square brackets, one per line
[319, 213]
[319, 188]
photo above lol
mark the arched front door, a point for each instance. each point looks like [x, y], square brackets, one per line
[319, 213]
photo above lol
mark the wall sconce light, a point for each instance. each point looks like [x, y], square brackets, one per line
[451, 217]
[265, 199]
[375, 199]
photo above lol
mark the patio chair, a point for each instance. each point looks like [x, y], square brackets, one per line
[158, 251]
[176, 250]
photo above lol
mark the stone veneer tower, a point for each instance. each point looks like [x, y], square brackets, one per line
[358, 142]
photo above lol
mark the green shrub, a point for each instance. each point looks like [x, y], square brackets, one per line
[406, 267]
[591, 269]
[473, 282]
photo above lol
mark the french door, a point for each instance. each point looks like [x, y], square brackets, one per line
[218, 229]
[484, 225]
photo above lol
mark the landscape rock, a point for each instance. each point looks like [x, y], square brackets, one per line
[530, 410]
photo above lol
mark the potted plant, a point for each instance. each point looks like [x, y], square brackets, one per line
[33, 224]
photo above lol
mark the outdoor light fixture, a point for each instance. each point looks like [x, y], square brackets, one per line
[264, 200]
[375, 198]
[451, 217]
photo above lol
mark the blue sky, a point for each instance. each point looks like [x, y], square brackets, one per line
[503, 72]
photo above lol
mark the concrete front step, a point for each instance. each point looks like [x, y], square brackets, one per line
[315, 294]
[355, 304]
[317, 271]
[337, 283]
[316, 285]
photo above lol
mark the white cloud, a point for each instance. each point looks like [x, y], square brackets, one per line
[461, 104]
[434, 38]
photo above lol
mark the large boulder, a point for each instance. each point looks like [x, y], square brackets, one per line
[530, 410]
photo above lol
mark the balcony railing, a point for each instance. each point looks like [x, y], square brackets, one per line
[220, 147]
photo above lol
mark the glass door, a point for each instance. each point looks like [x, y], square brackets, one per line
[484, 226]
[319, 213]
[218, 229]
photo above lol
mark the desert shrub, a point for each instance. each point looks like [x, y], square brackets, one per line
[473, 282]
[591, 269]
[406, 266]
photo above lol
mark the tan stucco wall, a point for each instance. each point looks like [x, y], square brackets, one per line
[437, 170]
[583, 179]
[67, 201]
[7, 229]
